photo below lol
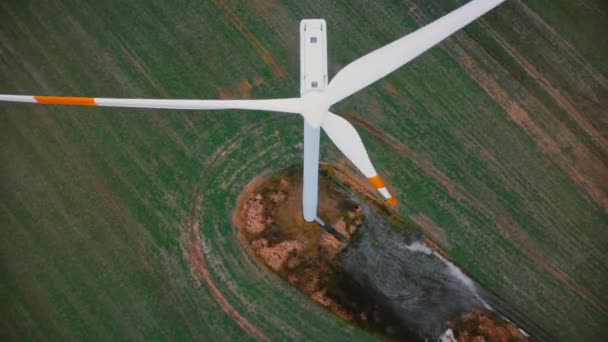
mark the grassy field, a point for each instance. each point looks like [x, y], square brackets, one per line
[116, 222]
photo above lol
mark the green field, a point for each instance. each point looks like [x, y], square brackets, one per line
[116, 222]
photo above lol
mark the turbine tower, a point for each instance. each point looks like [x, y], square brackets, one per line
[316, 94]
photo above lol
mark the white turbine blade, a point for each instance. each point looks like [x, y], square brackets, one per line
[346, 138]
[310, 188]
[289, 105]
[381, 62]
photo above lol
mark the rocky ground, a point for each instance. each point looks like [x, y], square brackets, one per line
[271, 223]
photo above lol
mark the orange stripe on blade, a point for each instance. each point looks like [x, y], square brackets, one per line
[377, 182]
[66, 100]
[392, 201]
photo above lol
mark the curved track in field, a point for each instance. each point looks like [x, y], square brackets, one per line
[220, 262]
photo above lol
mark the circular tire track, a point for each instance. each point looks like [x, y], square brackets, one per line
[259, 302]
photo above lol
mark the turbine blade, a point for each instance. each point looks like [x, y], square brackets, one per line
[310, 188]
[381, 62]
[289, 105]
[346, 138]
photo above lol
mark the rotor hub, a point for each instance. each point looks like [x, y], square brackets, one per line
[315, 107]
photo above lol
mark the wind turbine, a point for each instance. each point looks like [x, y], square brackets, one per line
[316, 95]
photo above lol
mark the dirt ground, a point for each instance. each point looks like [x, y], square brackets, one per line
[270, 222]
[269, 216]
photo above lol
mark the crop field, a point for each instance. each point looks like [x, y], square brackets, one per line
[116, 223]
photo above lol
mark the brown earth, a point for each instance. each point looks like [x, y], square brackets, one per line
[269, 218]
[480, 325]
[242, 90]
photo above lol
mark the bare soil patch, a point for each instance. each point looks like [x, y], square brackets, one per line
[269, 215]
[480, 325]
[269, 218]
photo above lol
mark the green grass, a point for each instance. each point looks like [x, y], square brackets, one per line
[95, 201]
